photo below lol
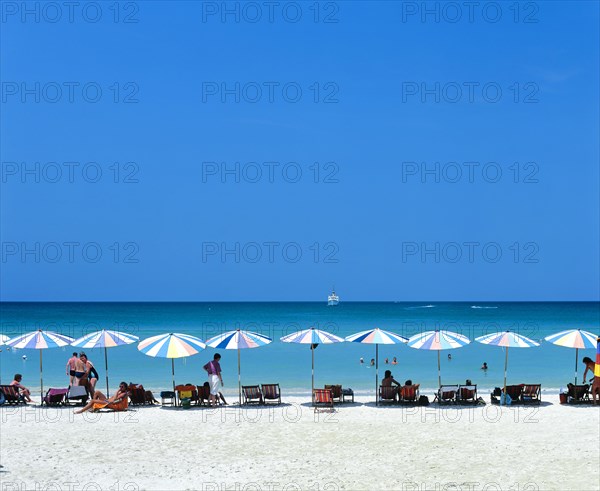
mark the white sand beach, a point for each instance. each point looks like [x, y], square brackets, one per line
[288, 447]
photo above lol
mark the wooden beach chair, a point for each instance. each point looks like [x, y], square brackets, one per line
[251, 395]
[531, 394]
[168, 398]
[447, 394]
[323, 400]
[11, 395]
[409, 394]
[137, 394]
[514, 391]
[388, 394]
[336, 392]
[578, 394]
[467, 394]
[203, 394]
[271, 393]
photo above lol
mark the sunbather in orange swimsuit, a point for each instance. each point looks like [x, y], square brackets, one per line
[118, 402]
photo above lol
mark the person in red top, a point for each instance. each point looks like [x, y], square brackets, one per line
[214, 378]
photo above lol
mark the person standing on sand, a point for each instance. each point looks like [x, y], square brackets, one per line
[590, 365]
[214, 378]
[71, 365]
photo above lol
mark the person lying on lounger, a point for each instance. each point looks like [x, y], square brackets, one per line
[118, 402]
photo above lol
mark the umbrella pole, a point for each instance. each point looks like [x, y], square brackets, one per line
[239, 380]
[439, 372]
[576, 352]
[106, 368]
[173, 372]
[312, 349]
[41, 379]
[505, 365]
[376, 373]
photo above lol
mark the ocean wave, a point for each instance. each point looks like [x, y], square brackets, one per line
[482, 307]
[420, 307]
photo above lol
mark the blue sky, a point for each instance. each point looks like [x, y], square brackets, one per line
[387, 110]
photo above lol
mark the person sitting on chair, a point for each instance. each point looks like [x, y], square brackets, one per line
[118, 402]
[388, 381]
[24, 392]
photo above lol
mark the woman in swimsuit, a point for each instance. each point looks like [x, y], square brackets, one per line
[91, 375]
[118, 402]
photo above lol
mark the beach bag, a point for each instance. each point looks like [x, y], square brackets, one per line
[497, 392]
[423, 401]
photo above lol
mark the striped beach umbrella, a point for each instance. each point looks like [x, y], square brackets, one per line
[238, 339]
[39, 340]
[507, 339]
[104, 339]
[314, 337]
[172, 345]
[573, 338]
[438, 340]
[376, 336]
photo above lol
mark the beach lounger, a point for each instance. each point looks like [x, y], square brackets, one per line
[187, 391]
[55, 397]
[77, 394]
[467, 394]
[251, 394]
[167, 398]
[271, 393]
[447, 394]
[137, 395]
[388, 394]
[336, 392]
[578, 394]
[409, 394]
[11, 395]
[347, 395]
[203, 394]
[113, 406]
[531, 394]
[514, 391]
[323, 400]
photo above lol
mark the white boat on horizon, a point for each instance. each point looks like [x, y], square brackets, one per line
[333, 299]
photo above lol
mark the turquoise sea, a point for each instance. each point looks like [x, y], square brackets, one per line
[289, 364]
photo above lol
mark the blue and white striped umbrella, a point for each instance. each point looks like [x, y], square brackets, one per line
[507, 339]
[171, 345]
[313, 337]
[104, 339]
[438, 340]
[573, 338]
[238, 339]
[39, 340]
[376, 336]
